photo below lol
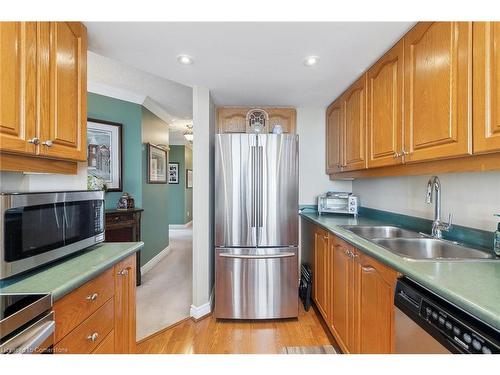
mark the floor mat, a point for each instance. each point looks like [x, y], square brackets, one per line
[324, 349]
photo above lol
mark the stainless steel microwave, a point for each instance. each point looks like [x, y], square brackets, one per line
[38, 228]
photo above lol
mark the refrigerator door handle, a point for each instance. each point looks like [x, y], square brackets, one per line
[259, 256]
[253, 174]
[260, 172]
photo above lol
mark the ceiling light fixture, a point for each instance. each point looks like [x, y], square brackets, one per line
[311, 60]
[184, 60]
[188, 134]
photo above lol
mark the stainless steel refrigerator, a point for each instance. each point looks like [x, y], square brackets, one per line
[256, 226]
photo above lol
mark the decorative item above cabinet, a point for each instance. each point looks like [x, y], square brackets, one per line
[240, 119]
[43, 122]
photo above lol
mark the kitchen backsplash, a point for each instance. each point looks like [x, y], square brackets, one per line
[472, 198]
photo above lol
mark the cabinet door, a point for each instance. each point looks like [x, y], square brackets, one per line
[18, 86]
[125, 306]
[486, 109]
[321, 271]
[334, 138]
[373, 306]
[438, 90]
[354, 129]
[385, 109]
[63, 88]
[341, 295]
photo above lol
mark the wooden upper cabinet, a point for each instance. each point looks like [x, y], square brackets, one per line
[385, 109]
[373, 306]
[486, 78]
[234, 119]
[334, 156]
[354, 129]
[438, 90]
[63, 87]
[18, 73]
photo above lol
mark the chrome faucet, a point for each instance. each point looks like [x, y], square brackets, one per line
[438, 226]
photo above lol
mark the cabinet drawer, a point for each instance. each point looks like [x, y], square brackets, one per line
[119, 219]
[107, 346]
[75, 307]
[90, 334]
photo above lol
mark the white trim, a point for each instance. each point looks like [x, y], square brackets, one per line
[181, 226]
[114, 92]
[158, 110]
[197, 312]
[155, 260]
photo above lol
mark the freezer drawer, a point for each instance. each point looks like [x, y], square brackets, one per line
[256, 283]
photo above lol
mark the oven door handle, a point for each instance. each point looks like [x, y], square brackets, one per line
[257, 256]
[33, 344]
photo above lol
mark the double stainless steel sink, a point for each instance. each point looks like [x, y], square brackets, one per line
[413, 245]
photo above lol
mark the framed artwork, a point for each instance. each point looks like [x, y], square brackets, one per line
[189, 178]
[173, 173]
[157, 165]
[104, 152]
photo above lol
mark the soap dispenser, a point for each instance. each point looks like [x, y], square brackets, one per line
[496, 242]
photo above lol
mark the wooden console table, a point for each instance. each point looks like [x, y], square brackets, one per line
[125, 226]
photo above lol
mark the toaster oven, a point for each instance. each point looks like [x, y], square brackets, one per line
[338, 203]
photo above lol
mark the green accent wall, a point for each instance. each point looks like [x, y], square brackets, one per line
[180, 198]
[155, 218]
[130, 115]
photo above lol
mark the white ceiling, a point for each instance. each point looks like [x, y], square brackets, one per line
[251, 63]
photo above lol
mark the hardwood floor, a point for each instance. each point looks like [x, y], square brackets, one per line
[211, 336]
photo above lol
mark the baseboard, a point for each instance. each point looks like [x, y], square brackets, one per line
[155, 260]
[198, 312]
[180, 226]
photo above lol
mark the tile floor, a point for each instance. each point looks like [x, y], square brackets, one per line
[165, 295]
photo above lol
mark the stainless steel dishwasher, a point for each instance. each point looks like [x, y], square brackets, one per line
[425, 323]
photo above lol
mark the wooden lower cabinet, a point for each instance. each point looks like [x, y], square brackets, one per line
[341, 323]
[321, 293]
[373, 305]
[354, 294]
[99, 316]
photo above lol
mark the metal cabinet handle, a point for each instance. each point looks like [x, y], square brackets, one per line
[123, 272]
[47, 143]
[34, 141]
[404, 152]
[397, 155]
[92, 297]
[93, 337]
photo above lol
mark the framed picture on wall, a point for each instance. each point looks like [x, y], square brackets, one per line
[157, 165]
[173, 173]
[189, 178]
[104, 152]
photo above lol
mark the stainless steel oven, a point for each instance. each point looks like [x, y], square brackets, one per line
[38, 228]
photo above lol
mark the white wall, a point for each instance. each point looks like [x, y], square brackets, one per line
[203, 189]
[29, 182]
[471, 197]
[313, 180]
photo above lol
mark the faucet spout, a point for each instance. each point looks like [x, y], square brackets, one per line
[434, 188]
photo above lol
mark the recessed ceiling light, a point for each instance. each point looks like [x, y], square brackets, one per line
[184, 59]
[311, 60]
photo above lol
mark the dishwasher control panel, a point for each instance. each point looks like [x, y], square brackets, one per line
[461, 334]
[454, 328]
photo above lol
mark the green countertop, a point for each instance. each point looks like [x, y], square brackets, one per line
[66, 275]
[473, 286]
